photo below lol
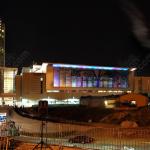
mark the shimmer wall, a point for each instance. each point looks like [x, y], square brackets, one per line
[69, 77]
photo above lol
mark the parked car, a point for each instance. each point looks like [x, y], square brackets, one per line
[81, 139]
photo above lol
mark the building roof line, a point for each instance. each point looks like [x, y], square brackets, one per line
[61, 65]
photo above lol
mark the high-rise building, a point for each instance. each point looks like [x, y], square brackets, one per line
[2, 43]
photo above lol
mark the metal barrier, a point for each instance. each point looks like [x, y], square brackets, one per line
[104, 138]
[6, 143]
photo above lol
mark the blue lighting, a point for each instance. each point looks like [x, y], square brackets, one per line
[89, 67]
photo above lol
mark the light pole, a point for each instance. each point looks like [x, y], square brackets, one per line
[41, 84]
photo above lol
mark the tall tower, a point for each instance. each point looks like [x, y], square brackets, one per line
[2, 44]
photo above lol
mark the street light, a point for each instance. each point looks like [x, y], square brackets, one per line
[41, 84]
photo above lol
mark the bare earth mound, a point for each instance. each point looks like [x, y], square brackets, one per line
[140, 116]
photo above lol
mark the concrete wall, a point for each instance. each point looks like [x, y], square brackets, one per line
[32, 86]
[142, 85]
[49, 78]
[18, 85]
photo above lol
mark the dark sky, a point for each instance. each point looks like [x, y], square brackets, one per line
[98, 34]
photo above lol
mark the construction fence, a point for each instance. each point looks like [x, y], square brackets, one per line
[110, 138]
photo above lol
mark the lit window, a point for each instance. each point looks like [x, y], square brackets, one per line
[133, 102]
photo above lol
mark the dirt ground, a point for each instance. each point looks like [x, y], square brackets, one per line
[29, 146]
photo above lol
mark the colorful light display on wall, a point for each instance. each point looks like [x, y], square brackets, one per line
[75, 77]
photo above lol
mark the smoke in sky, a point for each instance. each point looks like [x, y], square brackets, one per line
[140, 30]
[137, 19]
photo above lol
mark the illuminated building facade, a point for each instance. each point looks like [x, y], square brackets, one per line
[74, 76]
[2, 43]
[64, 81]
[7, 85]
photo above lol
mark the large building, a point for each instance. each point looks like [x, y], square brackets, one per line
[53, 81]
[2, 43]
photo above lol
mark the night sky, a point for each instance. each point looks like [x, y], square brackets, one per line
[98, 34]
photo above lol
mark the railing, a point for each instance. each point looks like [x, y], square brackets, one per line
[104, 138]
